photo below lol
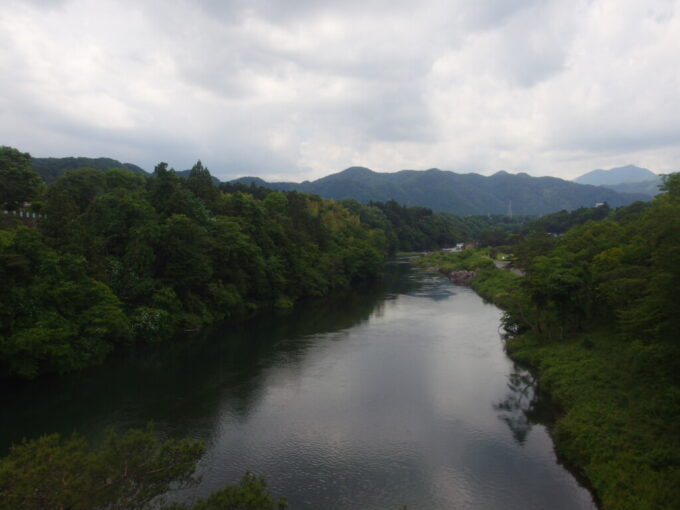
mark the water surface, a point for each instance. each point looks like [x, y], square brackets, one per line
[398, 393]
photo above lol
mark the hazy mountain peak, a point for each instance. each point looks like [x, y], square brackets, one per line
[619, 175]
[356, 171]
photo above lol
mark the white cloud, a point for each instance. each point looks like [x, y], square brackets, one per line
[298, 90]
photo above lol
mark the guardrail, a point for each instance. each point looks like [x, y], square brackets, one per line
[24, 214]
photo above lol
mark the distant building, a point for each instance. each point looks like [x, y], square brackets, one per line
[458, 247]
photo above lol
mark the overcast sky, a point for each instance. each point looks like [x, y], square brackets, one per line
[296, 90]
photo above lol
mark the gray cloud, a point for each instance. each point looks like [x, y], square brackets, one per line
[300, 89]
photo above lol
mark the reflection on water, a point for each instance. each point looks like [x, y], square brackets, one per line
[188, 377]
[385, 396]
[517, 407]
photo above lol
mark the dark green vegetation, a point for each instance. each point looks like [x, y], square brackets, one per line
[418, 228]
[560, 222]
[50, 169]
[596, 316]
[18, 184]
[457, 193]
[119, 257]
[131, 471]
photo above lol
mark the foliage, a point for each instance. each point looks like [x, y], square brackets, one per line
[618, 424]
[249, 494]
[18, 182]
[55, 318]
[128, 471]
[560, 222]
[466, 260]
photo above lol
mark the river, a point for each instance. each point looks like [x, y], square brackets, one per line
[398, 393]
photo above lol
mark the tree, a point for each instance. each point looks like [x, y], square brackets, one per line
[127, 471]
[249, 494]
[53, 316]
[18, 182]
[200, 182]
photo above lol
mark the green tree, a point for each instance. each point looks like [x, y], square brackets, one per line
[127, 472]
[200, 182]
[54, 317]
[250, 494]
[18, 182]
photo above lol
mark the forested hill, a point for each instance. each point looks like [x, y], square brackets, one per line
[625, 179]
[458, 193]
[51, 168]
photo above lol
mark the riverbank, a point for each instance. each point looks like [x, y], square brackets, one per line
[616, 424]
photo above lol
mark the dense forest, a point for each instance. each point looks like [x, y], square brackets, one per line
[110, 257]
[596, 316]
[118, 257]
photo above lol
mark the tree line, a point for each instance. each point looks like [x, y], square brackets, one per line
[118, 257]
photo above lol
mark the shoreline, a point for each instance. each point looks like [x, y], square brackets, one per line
[614, 431]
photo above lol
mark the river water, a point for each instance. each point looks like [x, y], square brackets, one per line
[398, 393]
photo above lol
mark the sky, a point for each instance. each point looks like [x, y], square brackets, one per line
[298, 89]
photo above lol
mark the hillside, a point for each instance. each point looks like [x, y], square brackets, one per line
[51, 168]
[650, 187]
[457, 193]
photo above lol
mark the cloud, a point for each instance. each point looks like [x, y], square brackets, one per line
[297, 90]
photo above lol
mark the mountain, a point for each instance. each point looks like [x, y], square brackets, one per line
[613, 176]
[457, 193]
[51, 168]
[625, 179]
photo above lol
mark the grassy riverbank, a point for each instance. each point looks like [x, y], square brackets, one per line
[618, 423]
[492, 284]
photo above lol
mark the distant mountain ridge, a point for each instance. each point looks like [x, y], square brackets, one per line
[619, 175]
[440, 190]
[624, 179]
[461, 194]
[51, 168]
